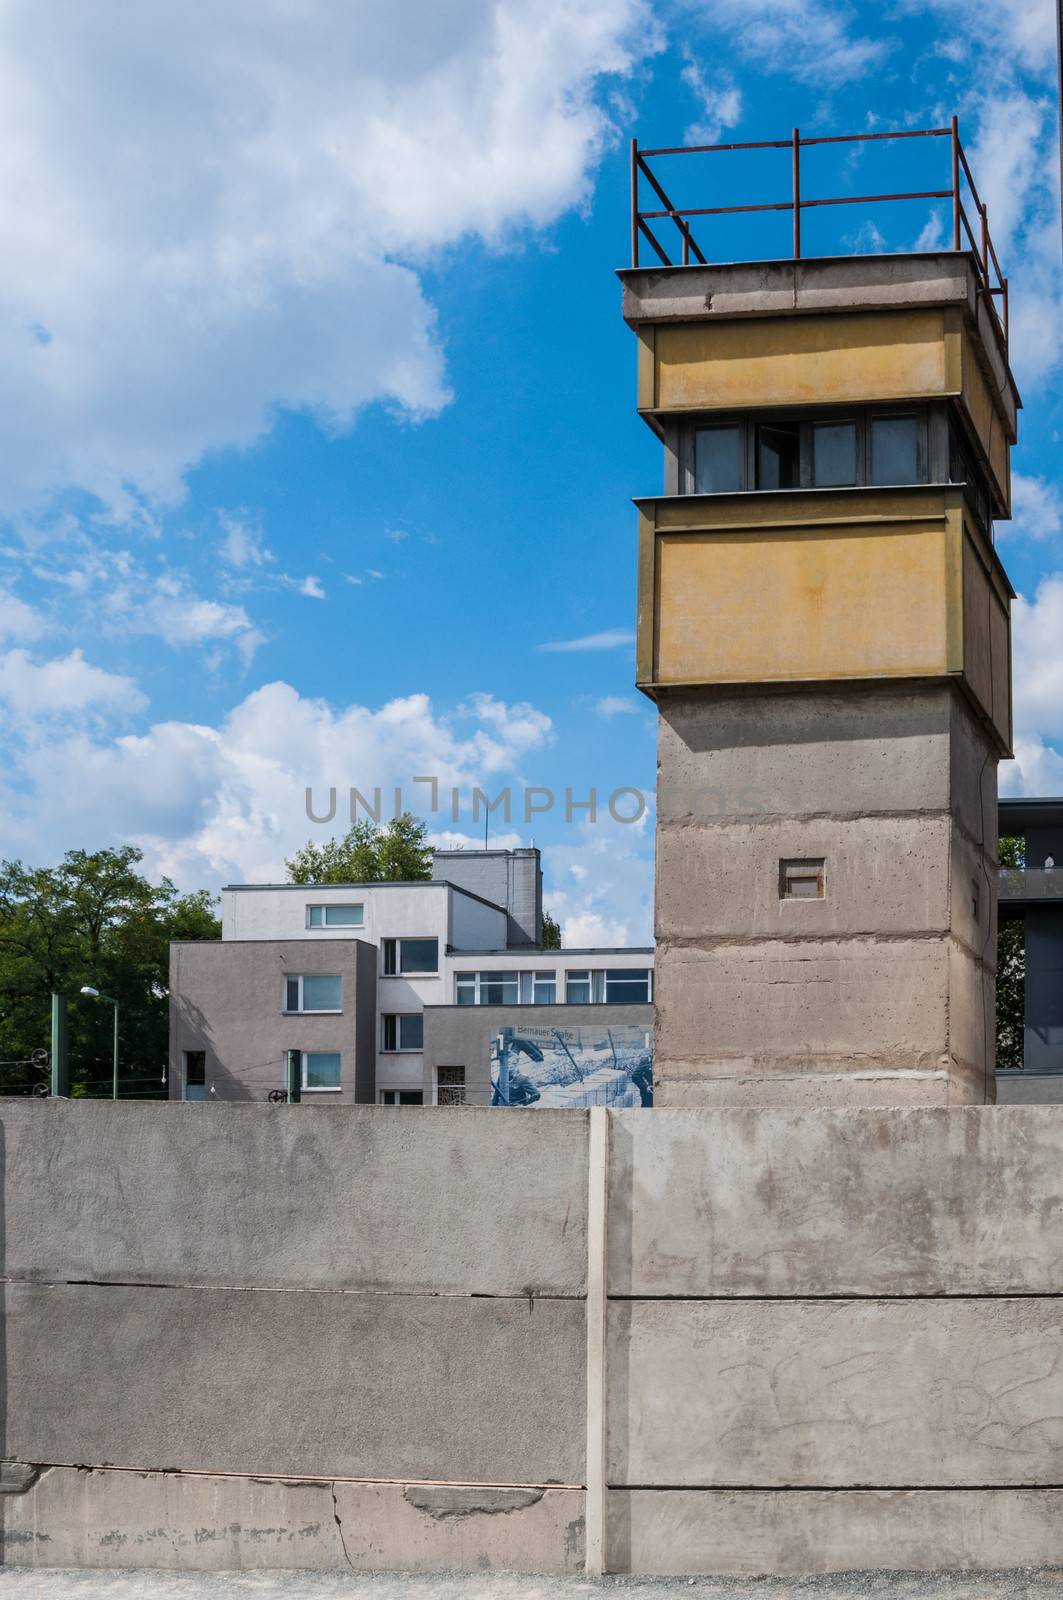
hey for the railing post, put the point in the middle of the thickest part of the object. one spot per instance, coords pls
(797, 194)
(634, 203)
(955, 183)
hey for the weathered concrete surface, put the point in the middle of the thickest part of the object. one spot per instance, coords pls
(749, 1532)
(881, 993)
(308, 1384)
(277, 1197)
(899, 1202)
(76, 1517)
(836, 1393)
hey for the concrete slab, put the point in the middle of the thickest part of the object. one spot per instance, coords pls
(746, 1533)
(197, 1523)
(900, 1202)
(308, 1384)
(957, 1394)
(291, 1197)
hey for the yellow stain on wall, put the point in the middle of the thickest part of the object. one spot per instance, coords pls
(743, 608)
(817, 360)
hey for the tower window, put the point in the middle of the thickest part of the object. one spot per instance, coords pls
(834, 454)
(894, 450)
(779, 456)
(802, 880)
(717, 460)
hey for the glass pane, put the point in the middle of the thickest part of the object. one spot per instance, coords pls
(389, 957)
(321, 994)
(343, 916)
(498, 988)
(717, 461)
(465, 988)
(411, 1033)
(894, 450)
(834, 453)
(419, 955)
(578, 988)
(526, 981)
(321, 1069)
(314, 916)
(291, 994)
(545, 990)
(411, 1097)
(632, 985)
(195, 1067)
(778, 456)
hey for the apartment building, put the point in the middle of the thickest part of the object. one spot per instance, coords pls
(362, 981)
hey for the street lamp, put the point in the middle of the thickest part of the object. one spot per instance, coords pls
(94, 994)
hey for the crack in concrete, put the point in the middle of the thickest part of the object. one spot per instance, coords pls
(339, 1527)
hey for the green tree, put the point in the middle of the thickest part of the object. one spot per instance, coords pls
(93, 920)
(551, 932)
(398, 852)
(1011, 970)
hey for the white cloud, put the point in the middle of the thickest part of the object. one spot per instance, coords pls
(209, 804)
(1036, 509)
(614, 705)
(214, 211)
(1019, 32)
(171, 610)
(17, 619)
(1036, 770)
(310, 587)
(67, 685)
(608, 639)
(721, 104)
(812, 41)
(1038, 660)
(242, 545)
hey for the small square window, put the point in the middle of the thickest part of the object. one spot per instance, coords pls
(321, 1069)
(334, 916)
(195, 1069)
(894, 450)
(450, 1086)
(802, 880)
(402, 1097)
(413, 957)
(578, 988)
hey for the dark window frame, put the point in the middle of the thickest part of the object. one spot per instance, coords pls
(749, 425)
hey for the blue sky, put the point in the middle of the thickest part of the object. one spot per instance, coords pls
(318, 417)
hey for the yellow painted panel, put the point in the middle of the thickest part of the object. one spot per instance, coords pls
(770, 607)
(988, 420)
(1000, 644)
(817, 360)
(977, 658)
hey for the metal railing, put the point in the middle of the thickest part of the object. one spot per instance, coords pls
(1031, 883)
(992, 280)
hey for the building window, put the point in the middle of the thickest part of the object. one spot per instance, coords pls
(195, 1069)
(335, 916)
(822, 452)
(402, 1097)
(717, 460)
(779, 455)
(505, 988)
(627, 984)
(402, 1031)
(802, 880)
(312, 993)
(321, 1069)
(413, 958)
(578, 988)
(834, 454)
(450, 1086)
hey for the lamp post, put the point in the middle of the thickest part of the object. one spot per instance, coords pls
(94, 994)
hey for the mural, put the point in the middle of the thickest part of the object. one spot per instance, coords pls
(601, 1065)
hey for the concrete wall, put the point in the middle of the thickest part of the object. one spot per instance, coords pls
(832, 1338)
(882, 991)
(461, 1036)
(227, 998)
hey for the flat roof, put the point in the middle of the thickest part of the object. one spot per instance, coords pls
(522, 950)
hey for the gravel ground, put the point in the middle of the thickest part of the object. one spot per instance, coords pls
(58, 1584)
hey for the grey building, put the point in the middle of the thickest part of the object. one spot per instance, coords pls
(237, 1006)
(511, 879)
(1033, 894)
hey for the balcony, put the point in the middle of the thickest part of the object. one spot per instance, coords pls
(1030, 886)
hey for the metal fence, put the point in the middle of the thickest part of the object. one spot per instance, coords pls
(961, 192)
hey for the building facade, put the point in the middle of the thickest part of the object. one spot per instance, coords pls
(360, 979)
(1031, 896)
